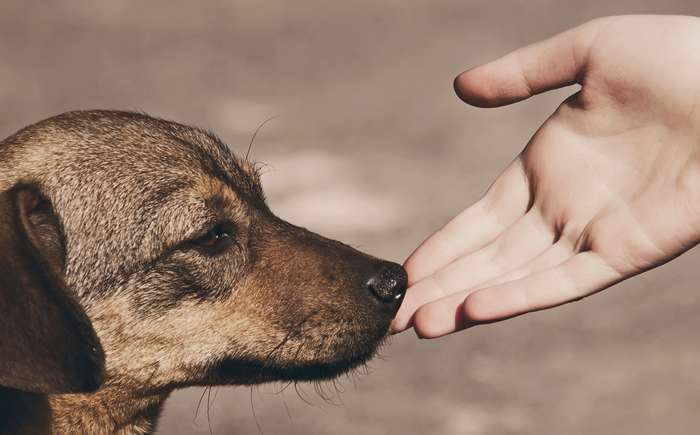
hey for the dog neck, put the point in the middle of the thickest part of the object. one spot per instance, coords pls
(108, 411)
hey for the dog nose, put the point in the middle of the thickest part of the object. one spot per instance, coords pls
(388, 284)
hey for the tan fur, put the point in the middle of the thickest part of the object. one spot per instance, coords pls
(135, 196)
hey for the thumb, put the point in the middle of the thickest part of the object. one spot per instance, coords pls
(550, 64)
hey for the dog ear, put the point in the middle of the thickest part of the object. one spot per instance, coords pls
(47, 343)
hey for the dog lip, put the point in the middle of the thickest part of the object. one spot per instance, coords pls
(246, 372)
(253, 372)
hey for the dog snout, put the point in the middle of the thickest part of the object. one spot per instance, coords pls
(388, 284)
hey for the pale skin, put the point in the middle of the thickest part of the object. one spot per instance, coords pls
(607, 188)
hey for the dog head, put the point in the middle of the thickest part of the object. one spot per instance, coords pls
(186, 275)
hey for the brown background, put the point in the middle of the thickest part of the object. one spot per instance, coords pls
(370, 146)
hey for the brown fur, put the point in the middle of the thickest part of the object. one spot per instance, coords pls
(135, 201)
(47, 343)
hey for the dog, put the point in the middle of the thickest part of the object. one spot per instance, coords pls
(152, 262)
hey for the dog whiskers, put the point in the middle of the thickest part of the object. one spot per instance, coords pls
(303, 399)
(261, 168)
(286, 409)
(208, 405)
(199, 403)
(252, 139)
(206, 391)
(255, 416)
(294, 332)
(216, 394)
(284, 387)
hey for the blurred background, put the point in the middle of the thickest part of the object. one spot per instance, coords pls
(370, 146)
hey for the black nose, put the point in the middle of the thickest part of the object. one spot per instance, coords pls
(388, 284)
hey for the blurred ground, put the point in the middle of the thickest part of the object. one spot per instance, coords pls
(370, 146)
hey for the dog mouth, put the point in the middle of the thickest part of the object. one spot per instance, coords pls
(241, 372)
(309, 365)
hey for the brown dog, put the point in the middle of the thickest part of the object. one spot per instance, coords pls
(165, 242)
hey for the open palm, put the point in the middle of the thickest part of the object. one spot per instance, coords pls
(607, 188)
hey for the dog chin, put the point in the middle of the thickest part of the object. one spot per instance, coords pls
(237, 372)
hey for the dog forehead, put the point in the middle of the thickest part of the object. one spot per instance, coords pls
(135, 148)
(171, 148)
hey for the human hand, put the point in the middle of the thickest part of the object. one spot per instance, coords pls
(607, 188)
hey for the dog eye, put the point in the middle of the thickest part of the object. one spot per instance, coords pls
(217, 239)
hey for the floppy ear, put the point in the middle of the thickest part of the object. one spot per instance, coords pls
(47, 343)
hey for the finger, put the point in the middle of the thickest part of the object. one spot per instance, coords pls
(424, 291)
(522, 241)
(504, 202)
(553, 63)
(580, 276)
(444, 316)
(527, 238)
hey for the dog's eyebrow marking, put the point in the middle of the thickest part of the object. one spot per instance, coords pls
(221, 197)
(219, 162)
(208, 200)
